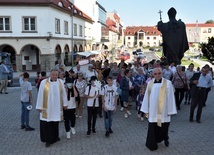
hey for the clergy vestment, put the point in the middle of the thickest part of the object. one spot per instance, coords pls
(159, 107)
(51, 100)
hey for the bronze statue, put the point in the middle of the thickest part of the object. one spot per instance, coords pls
(175, 42)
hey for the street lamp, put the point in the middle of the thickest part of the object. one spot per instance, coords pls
(72, 37)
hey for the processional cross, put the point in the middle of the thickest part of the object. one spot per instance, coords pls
(160, 14)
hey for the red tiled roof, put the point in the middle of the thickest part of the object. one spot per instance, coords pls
(117, 18)
(66, 5)
(199, 25)
(110, 22)
(112, 25)
(149, 30)
(113, 29)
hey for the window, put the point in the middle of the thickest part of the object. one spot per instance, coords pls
(5, 24)
(209, 30)
(66, 27)
(86, 32)
(148, 38)
(26, 58)
(75, 29)
(29, 23)
(128, 37)
(154, 38)
(57, 26)
(80, 31)
(89, 32)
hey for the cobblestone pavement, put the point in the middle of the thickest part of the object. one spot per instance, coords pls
(128, 138)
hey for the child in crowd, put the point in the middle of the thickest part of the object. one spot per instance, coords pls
(61, 76)
(26, 101)
(92, 95)
(139, 102)
(150, 76)
(43, 76)
(109, 100)
(69, 113)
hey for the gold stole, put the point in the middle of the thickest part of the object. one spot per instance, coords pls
(45, 99)
(161, 97)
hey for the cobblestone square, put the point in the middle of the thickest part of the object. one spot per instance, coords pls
(128, 138)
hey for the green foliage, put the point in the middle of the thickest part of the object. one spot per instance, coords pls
(159, 53)
(186, 62)
(208, 49)
(204, 58)
(210, 21)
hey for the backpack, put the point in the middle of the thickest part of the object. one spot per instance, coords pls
(89, 88)
(78, 96)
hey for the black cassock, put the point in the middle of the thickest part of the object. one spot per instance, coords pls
(156, 135)
(49, 131)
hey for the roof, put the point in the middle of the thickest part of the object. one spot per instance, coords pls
(63, 4)
(148, 30)
(199, 25)
(111, 25)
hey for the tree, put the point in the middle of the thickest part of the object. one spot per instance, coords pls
(209, 21)
(208, 49)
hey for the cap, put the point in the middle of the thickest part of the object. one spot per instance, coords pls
(29, 107)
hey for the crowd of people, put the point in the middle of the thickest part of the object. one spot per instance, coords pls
(155, 90)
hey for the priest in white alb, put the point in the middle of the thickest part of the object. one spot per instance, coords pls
(51, 100)
(158, 105)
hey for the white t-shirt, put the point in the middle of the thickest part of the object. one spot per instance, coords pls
(80, 71)
(109, 93)
(173, 69)
(167, 74)
(72, 103)
(189, 74)
(25, 87)
(90, 101)
(89, 74)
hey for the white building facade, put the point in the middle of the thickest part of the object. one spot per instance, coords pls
(199, 33)
(38, 34)
(100, 31)
(142, 36)
(116, 35)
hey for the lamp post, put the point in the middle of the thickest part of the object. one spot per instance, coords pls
(72, 37)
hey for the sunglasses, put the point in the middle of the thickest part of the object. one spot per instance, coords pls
(157, 73)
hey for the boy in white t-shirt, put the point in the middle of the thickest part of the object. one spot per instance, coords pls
(109, 100)
(92, 94)
(69, 113)
(26, 101)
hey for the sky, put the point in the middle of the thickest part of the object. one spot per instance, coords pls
(145, 12)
